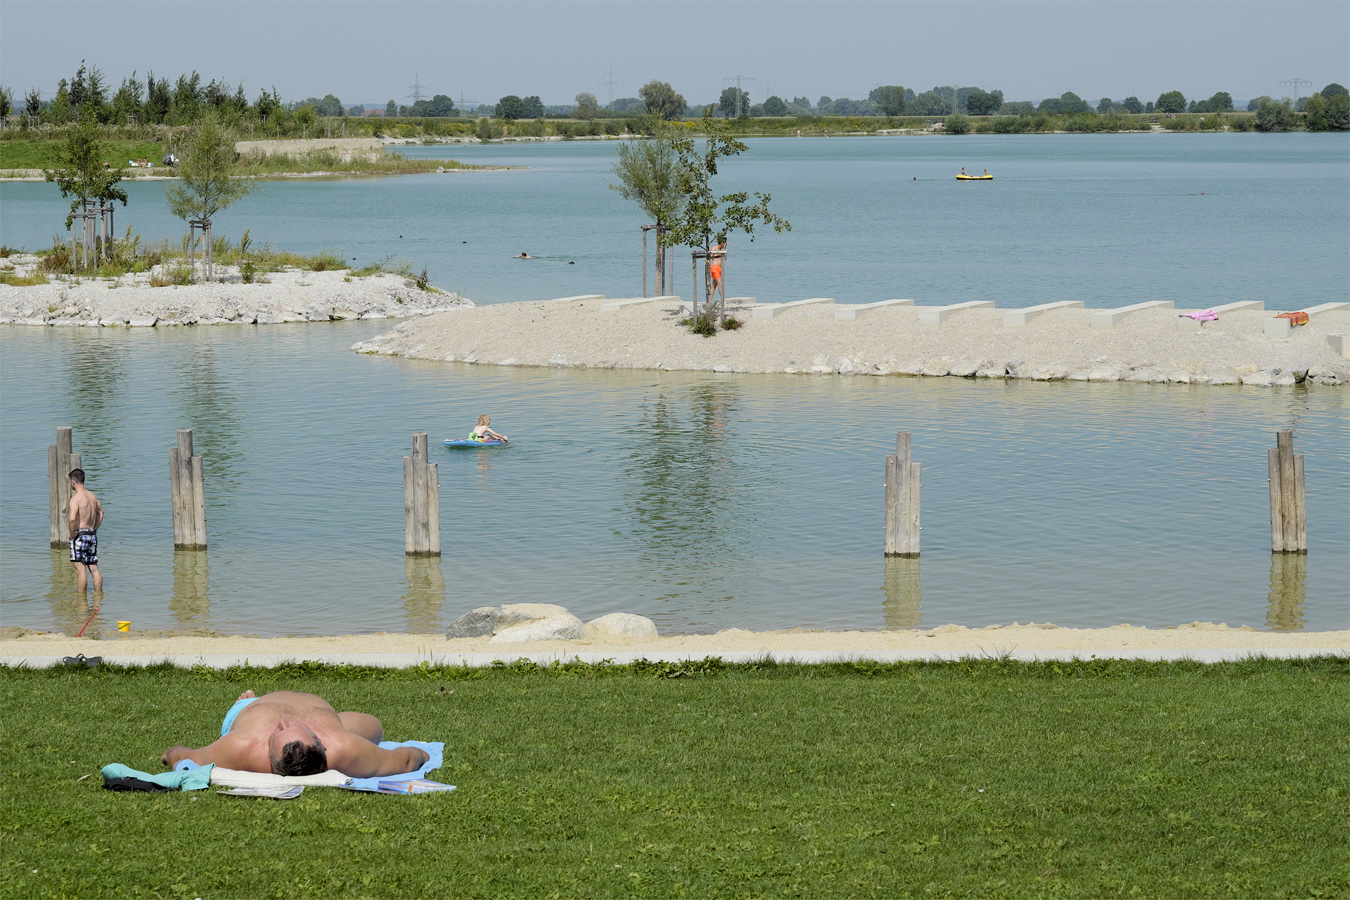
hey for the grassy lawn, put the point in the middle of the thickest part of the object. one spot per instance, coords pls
(42, 154)
(984, 778)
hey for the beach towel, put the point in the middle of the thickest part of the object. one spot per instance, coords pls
(380, 784)
(1295, 318)
(117, 777)
(1204, 315)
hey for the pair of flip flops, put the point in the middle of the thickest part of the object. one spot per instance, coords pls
(82, 660)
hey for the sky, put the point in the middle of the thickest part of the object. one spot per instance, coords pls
(371, 52)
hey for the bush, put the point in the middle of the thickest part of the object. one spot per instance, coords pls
(956, 124)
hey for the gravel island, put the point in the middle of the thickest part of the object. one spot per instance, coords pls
(1149, 345)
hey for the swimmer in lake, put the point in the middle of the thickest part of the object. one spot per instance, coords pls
(523, 255)
(481, 432)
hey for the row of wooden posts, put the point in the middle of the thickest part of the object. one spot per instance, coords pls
(422, 496)
(95, 231)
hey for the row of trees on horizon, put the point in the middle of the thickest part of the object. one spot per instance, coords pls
(157, 101)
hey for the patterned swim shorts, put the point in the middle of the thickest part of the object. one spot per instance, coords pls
(84, 547)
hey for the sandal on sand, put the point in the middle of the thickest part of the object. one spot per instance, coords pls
(82, 660)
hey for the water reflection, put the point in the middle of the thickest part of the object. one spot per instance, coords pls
(94, 386)
(70, 608)
(210, 402)
(425, 594)
(903, 592)
(1288, 591)
(190, 602)
(685, 478)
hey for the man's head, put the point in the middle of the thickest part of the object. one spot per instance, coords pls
(294, 749)
(77, 476)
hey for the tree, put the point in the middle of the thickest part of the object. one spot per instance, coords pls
(734, 102)
(510, 108)
(357, 110)
(32, 103)
(956, 124)
(1333, 90)
(532, 107)
(706, 216)
(1071, 104)
(6, 100)
(205, 164)
(1274, 115)
(1171, 102)
(1104, 105)
(649, 175)
(329, 106)
(929, 103)
(890, 100)
(391, 108)
(1132, 105)
(1338, 113)
(661, 100)
(306, 117)
(775, 106)
(587, 106)
(80, 171)
(983, 103)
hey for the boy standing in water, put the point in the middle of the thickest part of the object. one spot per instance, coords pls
(86, 515)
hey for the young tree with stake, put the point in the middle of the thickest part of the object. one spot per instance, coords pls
(205, 166)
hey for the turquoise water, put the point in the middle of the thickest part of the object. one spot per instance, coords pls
(1109, 219)
(702, 501)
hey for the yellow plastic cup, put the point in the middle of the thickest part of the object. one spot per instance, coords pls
(123, 626)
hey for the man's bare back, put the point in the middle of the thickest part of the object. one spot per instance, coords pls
(263, 729)
(86, 515)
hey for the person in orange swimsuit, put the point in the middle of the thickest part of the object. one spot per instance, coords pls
(715, 257)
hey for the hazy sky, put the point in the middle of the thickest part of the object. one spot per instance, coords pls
(370, 52)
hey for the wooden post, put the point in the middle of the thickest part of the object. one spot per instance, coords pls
(644, 261)
(60, 461)
(421, 502)
(1288, 502)
(902, 500)
(187, 491)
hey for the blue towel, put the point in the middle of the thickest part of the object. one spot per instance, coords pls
(193, 779)
(435, 750)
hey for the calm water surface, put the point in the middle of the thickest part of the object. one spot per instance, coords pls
(1109, 219)
(701, 501)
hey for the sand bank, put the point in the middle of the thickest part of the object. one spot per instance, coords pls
(1061, 344)
(1199, 640)
(291, 295)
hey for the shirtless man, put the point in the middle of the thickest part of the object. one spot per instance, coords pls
(86, 515)
(290, 733)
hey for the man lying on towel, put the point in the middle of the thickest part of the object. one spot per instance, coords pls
(290, 733)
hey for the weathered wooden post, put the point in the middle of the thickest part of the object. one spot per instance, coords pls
(60, 461)
(188, 492)
(421, 502)
(1288, 503)
(902, 500)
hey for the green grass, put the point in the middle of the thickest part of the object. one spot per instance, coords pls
(983, 778)
(38, 154)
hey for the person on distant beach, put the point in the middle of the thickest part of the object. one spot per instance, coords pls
(715, 257)
(481, 432)
(290, 733)
(86, 515)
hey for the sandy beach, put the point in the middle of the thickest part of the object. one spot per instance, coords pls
(1201, 641)
(1148, 345)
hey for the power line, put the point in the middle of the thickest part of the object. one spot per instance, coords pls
(416, 87)
(739, 93)
(611, 81)
(1294, 83)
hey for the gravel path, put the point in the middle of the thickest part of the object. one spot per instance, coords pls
(1060, 344)
(291, 295)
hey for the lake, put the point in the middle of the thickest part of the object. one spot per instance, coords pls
(709, 501)
(1201, 219)
(702, 501)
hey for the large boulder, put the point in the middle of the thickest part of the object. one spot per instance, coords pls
(623, 627)
(517, 613)
(478, 623)
(565, 627)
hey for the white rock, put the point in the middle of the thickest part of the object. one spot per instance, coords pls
(557, 359)
(1263, 378)
(625, 626)
(1285, 379)
(516, 613)
(143, 321)
(565, 627)
(1105, 373)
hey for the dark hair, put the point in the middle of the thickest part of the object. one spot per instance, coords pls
(301, 759)
(77, 475)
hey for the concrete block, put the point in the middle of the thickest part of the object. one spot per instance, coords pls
(1107, 318)
(1340, 343)
(616, 305)
(1279, 329)
(1186, 323)
(579, 297)
(1013, 318)
(934, 315)
(769, 310)
(741, 301)
(853, 310)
